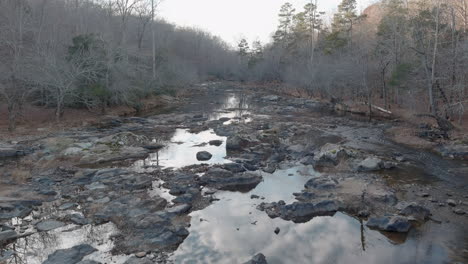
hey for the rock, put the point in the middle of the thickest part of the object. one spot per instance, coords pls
(70, 256)
(140, 254)
(136, 260)
(424, 194)
(204, 155)
(390, 223)
(459, 212)
(78, 219)
(370, 164)
(269, 169)
(257, 259)
(417, 211)
(234, 167)
(254, 196)
(67, 206)
(300, 212)
(451, 202)
(10, 152)
(7, 235)
(215, 142)
(236, 143)
(225, 180)
(72, 151)
(179, 209)
(320, 183)
(277, 230)
(48, 225)
(331, 155)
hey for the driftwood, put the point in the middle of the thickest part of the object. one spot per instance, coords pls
(381, 109)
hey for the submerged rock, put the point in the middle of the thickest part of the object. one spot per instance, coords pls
(204, 155)
(300, 212)
(70, 256)
(257, 259)
(398, 224)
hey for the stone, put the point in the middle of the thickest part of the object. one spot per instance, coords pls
(320, 183)
(48, 225)
(225, 180)
(257, 259)
(78, 219)
(277, 230)
(140, 254)
(419, 212)
(370, 164)
(179, 209)
(234, 167)
(390, 223)
(70, 256)
(331, 155)
(236, 143)
(67, 206)
(215, 142)
(459, 212)
(204, 156)
(72, 151)
(7, 235)
(451, 202)
(300, 212)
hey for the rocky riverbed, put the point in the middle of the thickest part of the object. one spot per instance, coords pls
(233, 175)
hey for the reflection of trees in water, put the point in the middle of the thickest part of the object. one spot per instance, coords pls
(37, 247)
(34, 246)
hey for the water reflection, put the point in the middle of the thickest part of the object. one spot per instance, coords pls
(235, 107)
(182, 150)
(35, 249)
(232, 230)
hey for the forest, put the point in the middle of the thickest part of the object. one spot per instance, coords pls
(407, 55)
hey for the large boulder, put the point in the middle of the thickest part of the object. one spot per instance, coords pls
(70, 256)
(225, 180)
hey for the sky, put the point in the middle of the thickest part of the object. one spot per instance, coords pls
(233, 20)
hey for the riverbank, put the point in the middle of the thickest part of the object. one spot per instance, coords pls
(230, 173)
